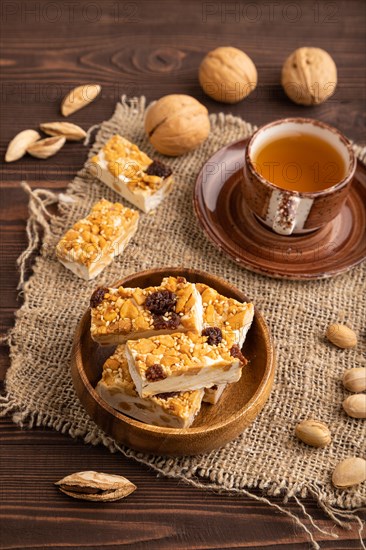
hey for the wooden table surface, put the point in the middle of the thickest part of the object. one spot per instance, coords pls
(150, 48)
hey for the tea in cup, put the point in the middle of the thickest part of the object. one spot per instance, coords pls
(297, 174)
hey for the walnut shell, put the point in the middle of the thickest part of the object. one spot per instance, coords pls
(309, 76)
(227, 75)
(176, 124)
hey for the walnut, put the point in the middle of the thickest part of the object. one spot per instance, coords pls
(227, 75)
(309, 76)
(176, 124)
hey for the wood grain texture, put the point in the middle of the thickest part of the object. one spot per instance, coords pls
(150, 48)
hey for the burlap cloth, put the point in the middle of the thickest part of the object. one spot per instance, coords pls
(39, 390)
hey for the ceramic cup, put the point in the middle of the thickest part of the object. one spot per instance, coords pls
(290, 212)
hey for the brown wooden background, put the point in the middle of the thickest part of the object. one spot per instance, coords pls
(150, 48)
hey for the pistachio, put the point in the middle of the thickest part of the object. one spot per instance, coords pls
(355, 405)
(349, 472)
(96, 486)
(355, 379)
(71, 132)
(47, 147)
(314, 433)
(19, 144)
(341, 336)
(79, 97)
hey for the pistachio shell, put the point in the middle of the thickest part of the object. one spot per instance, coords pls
(341, 336)
(96, 486)
(355, 379)
(19, 144)
(71, 132)
(79, 97)
(309, 76)
(227, 74)
(349, 472)
(47, 147)
(176, 124)
(314, 433)
(355, 405)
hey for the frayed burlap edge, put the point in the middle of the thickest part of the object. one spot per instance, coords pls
(38, 226)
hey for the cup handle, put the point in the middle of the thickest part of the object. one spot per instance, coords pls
(284, 220)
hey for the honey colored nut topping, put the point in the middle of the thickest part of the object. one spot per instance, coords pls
(116, 376)
(226, 313)
(144, 309)
(189, 350)
(126, 159)
(93, 236)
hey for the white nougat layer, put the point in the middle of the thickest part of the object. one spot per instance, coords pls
(211, 375)
(148, 410)
(145, 200)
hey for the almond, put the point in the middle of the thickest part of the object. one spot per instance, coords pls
(71, 132)
(314, 433)
(19, 144)
(79, 97)
(349, 472)
(355, 405)
(45, 148)
(341, 336)
(96, 486)
(355, 379)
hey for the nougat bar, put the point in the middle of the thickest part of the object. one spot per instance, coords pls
(172, 410)
(228, 314)
(182, 362)
(213, 395)
(94, 241)
(120, 314)
(127, 170)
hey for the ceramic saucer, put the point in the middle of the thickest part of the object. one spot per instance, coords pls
(231, 226)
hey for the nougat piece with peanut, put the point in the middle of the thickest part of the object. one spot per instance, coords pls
(121, 314)
(226, 315)
(182, 362)
(172, 410)
(93, 242)
(213, 395)
(130, 172)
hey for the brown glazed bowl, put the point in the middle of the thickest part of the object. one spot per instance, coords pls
(293, 212)
(215, 425)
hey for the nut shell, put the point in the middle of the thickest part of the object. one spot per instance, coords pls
(355, 379)
(228, 75)
(309, 76)
(341, 336)
(355, 405)
(47, 147)
(19, 144)
(349, 472)
(71, 132)
(79, 97)
(314, 433)
(96, 486)
(176, 124)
